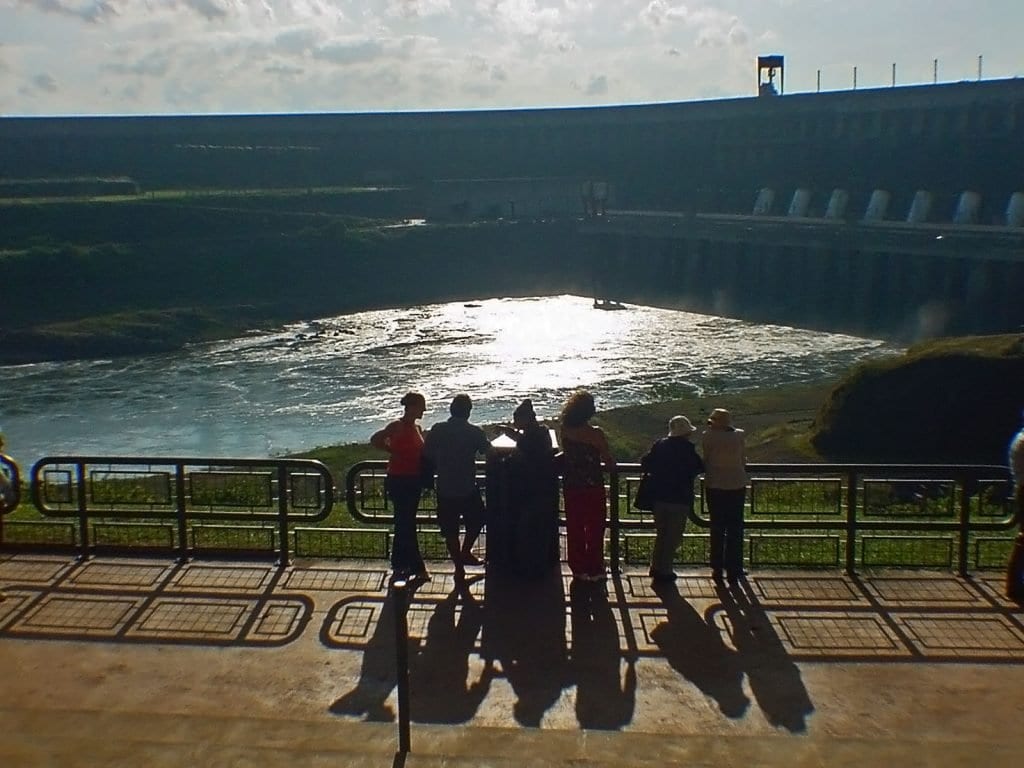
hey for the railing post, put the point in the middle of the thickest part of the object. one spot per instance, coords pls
(965, 525)
(613, 514)
(83, 509)
(179, 493)
(851, 521)
(400, 592)
(282, 513)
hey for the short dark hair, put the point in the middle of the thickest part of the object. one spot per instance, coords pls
(461, 406)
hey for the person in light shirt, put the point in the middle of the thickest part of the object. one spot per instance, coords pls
(725, 485)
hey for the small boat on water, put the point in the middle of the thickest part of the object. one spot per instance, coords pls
(608, 304)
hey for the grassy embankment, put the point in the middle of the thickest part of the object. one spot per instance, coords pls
(949, 400)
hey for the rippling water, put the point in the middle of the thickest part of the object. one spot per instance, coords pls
(335, 380)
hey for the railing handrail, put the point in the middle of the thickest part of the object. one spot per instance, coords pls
(178, 504)
(849, 473)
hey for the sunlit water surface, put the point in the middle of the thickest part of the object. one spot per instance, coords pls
(334, 380)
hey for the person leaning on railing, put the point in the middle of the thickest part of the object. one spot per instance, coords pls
(725, 484)
(403, 441)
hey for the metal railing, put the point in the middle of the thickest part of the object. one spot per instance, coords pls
(813, 515)
(177, 496)
(865, 514)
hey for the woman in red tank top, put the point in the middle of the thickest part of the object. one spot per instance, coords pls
(403, 441)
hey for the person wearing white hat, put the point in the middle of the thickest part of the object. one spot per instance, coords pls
(672, 464)
(725, 484)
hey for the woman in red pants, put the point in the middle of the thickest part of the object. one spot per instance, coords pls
(585, 457)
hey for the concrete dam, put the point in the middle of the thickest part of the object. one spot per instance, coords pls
(891, 210)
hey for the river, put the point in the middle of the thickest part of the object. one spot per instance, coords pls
(335, 380)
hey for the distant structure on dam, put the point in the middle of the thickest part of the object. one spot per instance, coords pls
(884, 210)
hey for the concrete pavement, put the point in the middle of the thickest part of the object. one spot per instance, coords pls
(114, 661)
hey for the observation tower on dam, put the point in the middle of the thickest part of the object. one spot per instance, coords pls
(895, 210)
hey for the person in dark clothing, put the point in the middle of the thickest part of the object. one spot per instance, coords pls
(533, 494)
(672, 464)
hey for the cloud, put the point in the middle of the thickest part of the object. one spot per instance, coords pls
(598, 86)
(283, 70)
(297, 40)
(212, 9)
(411, 9)
(659, 12)
(349, 52)
(153, 64)
(44, 82)
(91, 11)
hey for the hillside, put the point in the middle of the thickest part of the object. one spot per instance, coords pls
(949, 400)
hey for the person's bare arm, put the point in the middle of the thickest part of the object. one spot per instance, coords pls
(601, 441)
(381, 439)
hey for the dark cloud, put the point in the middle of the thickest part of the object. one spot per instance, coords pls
(209, 9)
(283, 70)
(296, 41)
(42, 82)
(598, 86)
(92, 12)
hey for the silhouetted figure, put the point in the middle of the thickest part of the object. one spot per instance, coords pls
(531, 655)
(439, 672)
(605, 682)
(403, 441)
(672, 464)
(532, 495)
(774, 677)
(377, 675)
(453, 447)
(696, 650)
(585, 456)
(725, 486)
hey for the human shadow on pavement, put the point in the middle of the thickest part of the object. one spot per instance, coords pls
(775, 679)
(524, 640)
(439, 672)
(605, 692)
(696, 650)
(377, 675)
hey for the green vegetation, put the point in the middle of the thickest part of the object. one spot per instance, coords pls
(150, 273)
(949, 400)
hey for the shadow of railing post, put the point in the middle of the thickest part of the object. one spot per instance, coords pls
(400, 590)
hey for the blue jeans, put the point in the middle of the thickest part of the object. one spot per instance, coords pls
(404, 492)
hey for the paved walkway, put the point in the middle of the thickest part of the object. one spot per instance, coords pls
(148, 662)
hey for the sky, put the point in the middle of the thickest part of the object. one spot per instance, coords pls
(68, 57)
